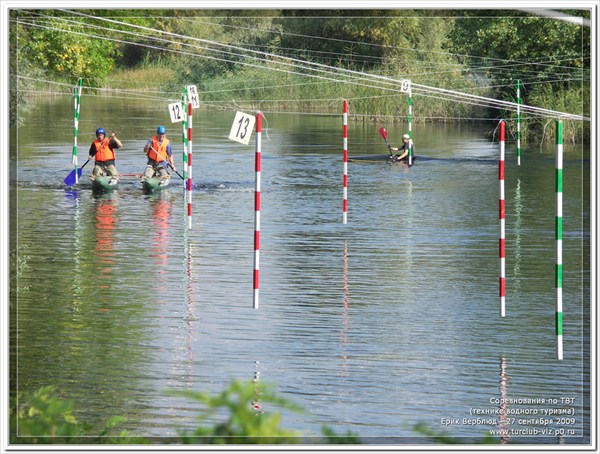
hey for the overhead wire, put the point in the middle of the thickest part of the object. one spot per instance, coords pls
(507, 62)
(362, 76)
(334, 74)
(436, 72)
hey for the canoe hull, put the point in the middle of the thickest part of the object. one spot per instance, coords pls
(155, 184)
(104, 183)
(378, 158)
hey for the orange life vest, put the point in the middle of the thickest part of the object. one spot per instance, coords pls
(103, 151)
(160, 148)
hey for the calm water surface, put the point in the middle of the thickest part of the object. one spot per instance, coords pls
(372, 327)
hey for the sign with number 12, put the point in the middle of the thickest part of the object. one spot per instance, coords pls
(241, 129)
(176, 111)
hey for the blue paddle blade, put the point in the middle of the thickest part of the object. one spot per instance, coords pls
(70, 180)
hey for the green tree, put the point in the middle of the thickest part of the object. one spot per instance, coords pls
(549, 56)
(506, 46)
(62, 48)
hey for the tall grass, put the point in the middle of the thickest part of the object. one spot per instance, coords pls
(258, 88)
(150, 76)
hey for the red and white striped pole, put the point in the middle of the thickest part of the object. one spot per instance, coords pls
(345, 190)
(257, 210)
(502, 216)
(184, 125)
(189, 166)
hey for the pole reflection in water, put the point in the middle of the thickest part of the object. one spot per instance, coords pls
(345, 313)
(190, 317)
(344, 389)
(502, 414)
(517, 229)
(257, 402)
(72, 195)
(106, 223)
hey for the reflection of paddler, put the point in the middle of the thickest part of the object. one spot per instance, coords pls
(161, 212)
(106, 221)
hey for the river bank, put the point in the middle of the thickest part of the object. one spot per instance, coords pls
(256, 89)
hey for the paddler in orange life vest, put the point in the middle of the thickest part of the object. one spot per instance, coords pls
(158, 149)
(103, 149)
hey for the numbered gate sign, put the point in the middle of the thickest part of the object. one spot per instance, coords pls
(176, 112)
(242, 127)
(405, 85)
(193, 96)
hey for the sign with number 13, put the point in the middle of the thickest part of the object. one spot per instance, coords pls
(241, 129)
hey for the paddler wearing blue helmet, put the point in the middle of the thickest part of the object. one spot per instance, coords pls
(158, 150)
(103, 149)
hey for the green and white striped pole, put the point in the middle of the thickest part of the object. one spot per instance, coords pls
(76, 108)
(518, 122)
(410, 118)
(559, 227)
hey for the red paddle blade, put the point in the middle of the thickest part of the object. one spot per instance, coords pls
(383, 133)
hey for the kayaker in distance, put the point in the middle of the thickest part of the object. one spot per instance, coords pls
(158, 149)
(405, 148)
(103, 149)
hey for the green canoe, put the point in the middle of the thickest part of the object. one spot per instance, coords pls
(153, 184)
(104, 183)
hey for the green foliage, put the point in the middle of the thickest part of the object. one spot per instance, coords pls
(562, 101)
(45, 418)
(62, 47)
(476, 51)
(245, 422)
(548, 56)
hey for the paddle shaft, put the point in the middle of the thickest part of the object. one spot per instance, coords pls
(168, 163)
(383, 134)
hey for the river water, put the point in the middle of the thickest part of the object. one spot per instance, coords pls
(372, 327)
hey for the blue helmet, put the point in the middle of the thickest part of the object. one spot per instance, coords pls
(161, 130)
(100, 131)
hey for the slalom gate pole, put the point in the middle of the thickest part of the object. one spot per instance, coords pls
(76, 108)
(518, 122)
(189, 169)
(257, 210)
(559, 228)
(410, 118)
(184, 140)
(345, 179)
(502, 216)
